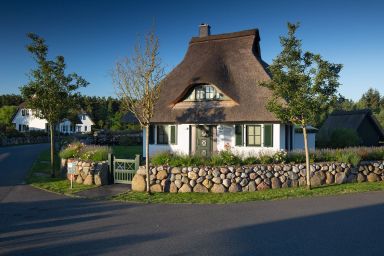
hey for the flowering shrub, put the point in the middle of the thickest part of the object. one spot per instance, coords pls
(85, 152)
(71, 151)
(280, 157)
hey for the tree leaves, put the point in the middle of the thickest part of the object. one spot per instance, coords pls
(303, 84)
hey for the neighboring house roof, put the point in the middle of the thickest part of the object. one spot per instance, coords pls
(21, 106)
(129, 118)
(348, 120)
(231, 62)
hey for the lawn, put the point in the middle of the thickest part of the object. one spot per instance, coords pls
(127, 151)
(272, 194)
(40, 177)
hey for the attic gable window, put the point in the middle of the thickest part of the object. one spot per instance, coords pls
(205, 92)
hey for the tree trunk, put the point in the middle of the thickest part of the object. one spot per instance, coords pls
(147, 155)
(52, 134)
(307, 158)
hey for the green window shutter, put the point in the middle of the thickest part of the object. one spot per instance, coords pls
(268, 135)
(239, 135)
(151, 134)
(173, 134)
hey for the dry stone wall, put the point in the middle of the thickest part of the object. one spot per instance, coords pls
(253, 178)
(88, 173)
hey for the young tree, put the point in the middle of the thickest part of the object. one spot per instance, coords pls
(50, 91)
(137, 80)
(303, 85)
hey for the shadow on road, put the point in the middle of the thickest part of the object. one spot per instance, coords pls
(79, 227)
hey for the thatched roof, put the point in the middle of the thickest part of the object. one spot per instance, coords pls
(348, 120)
(232, 63)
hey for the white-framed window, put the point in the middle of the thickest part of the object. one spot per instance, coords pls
(204, 92)
(25, 112)
(165, 134)
(254, 135)
(85, 128)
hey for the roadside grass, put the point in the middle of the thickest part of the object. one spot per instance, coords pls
(40, 177)
(127, 151)
(225, 198)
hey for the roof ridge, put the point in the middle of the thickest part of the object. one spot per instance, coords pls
(249, 32)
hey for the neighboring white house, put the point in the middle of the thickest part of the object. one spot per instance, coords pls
(26, 120)
(212, 101)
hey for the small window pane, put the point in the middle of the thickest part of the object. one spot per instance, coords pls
(251, 140)
(257, 130)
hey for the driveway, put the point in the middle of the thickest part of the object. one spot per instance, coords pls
(34, 222)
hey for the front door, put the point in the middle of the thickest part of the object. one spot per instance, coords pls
(204, 140)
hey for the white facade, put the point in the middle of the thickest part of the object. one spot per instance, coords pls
(182, 145)
(225, 138)
(26, 120)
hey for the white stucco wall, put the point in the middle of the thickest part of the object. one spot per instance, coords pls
(246, 151)
(85, 123)
(181, 146)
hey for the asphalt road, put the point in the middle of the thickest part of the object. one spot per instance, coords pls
(34, 222)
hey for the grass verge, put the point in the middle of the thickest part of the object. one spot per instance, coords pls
(39, 177)
(225, 198)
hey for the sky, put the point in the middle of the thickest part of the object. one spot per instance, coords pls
(93, 35)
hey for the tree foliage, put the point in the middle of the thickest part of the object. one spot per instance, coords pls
(50, 91)
(303, 85)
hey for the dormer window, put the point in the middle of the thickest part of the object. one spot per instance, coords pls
(204, 92)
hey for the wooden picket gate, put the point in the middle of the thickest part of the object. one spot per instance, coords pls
(123, 170)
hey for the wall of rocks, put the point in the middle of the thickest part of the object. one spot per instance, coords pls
(5, 141)
(88, 173)
(253, 178)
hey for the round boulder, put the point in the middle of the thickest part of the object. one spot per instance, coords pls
(138, 183)
(372, 177)
(200, 189)
(185, 189)
(156, 188)
(218, 188)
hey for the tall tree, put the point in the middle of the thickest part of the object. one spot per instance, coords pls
(303, 85)
(372, 100)
(50, 90)
(137, 80)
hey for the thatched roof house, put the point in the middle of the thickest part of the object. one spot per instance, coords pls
(212, 99)
(232, 63)
(363, 122)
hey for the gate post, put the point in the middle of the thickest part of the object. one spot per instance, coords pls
(137, 162)
(110, 165)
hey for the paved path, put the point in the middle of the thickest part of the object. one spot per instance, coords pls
(34, 222)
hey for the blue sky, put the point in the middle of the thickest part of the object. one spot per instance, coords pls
(92, 35)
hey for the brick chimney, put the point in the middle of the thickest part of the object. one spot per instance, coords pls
(204, 30)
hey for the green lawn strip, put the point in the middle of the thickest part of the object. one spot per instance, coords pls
(127, 151)
(272, 194)
(39, 177)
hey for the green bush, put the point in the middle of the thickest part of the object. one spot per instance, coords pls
(161, 158)
(348, 157)
(342, 138)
